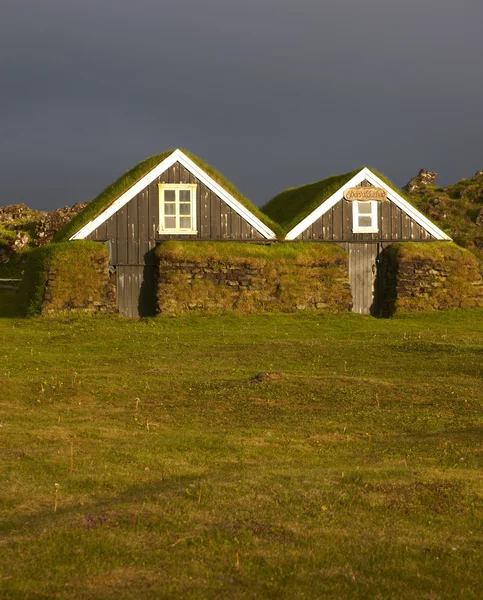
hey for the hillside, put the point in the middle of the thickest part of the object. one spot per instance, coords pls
(457, 208)
(22, 228)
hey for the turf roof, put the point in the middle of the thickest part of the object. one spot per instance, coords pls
(126, 181)
(291, 206)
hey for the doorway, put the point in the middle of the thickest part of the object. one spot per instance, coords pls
(365, 276)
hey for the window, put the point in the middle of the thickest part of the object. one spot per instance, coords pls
(177, 208)
(364, 217)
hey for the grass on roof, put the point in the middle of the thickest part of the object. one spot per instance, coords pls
(126, 181)
(291, 206)
(236, 253)
(434, 251)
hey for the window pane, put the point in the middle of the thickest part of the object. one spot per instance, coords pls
(169, 195)
(169, 208)
(185, 195)
(185, 209)
(365, 208)
(170, 222)
(365, 221)
(185, 222)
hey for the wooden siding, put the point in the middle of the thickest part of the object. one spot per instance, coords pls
(136, 294)
(366, 276)
(133, 229)
(393, 223)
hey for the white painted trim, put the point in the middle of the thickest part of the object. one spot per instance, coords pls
(124, 198)
(228, 198)
(367, 174)
(323, 208)
(192, 187)
(406, 207)
(176, 156)
(373, 228)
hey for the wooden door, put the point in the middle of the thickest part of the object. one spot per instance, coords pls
(136, 293)
(363, 267)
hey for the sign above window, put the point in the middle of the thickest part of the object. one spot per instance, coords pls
(365, 193)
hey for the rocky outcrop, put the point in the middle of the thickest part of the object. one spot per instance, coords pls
(17, 213)
(422, 180)
(21, 226)
(49, 223)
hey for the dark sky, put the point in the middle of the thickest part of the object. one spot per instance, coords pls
(273, 93)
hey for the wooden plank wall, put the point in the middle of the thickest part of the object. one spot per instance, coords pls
(136, 295)
(362, 276)
(394, 226)
(133, 230)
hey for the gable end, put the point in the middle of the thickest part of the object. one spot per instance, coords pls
(397, 218)
(177, 156)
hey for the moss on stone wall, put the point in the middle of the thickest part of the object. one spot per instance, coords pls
(217, 277)
(431, 276)
(68, 276)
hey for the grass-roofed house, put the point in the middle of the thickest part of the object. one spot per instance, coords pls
(170, 196)
(363, 213)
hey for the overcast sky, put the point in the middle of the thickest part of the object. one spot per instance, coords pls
(273, 93)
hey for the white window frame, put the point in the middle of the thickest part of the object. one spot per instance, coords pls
(373, 227)
(177, 187)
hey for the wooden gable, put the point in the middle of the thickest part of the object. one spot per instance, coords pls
(397, 220)
(133, 226)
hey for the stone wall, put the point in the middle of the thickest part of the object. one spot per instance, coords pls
(72, 276)
(252, 285)
(98, 296)
(433, 276)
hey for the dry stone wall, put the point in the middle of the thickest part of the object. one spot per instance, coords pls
(71, 276)
(436, 277)
(210, 287)
(74, 295)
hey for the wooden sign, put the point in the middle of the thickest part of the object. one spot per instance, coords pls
(365, 193)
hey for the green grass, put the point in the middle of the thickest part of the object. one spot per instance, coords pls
(226, 252)
(76, 278)
(353, 471)
(454, 209)
(126, 181)
(460, 286)
(438, 252)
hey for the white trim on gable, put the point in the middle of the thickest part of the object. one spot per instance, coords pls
(224, 195)
(176, 156)
(367, 174)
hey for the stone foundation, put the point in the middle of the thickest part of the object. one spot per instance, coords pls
(247, 286)
(100, 297)
(72, 276)
(433, 276)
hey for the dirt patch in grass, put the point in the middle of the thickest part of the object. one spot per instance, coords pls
(436, 497)
(267, 377)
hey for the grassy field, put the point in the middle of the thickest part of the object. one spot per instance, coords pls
(264, 456)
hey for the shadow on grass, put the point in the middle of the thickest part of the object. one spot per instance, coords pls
(11, 305)
(94, 512)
